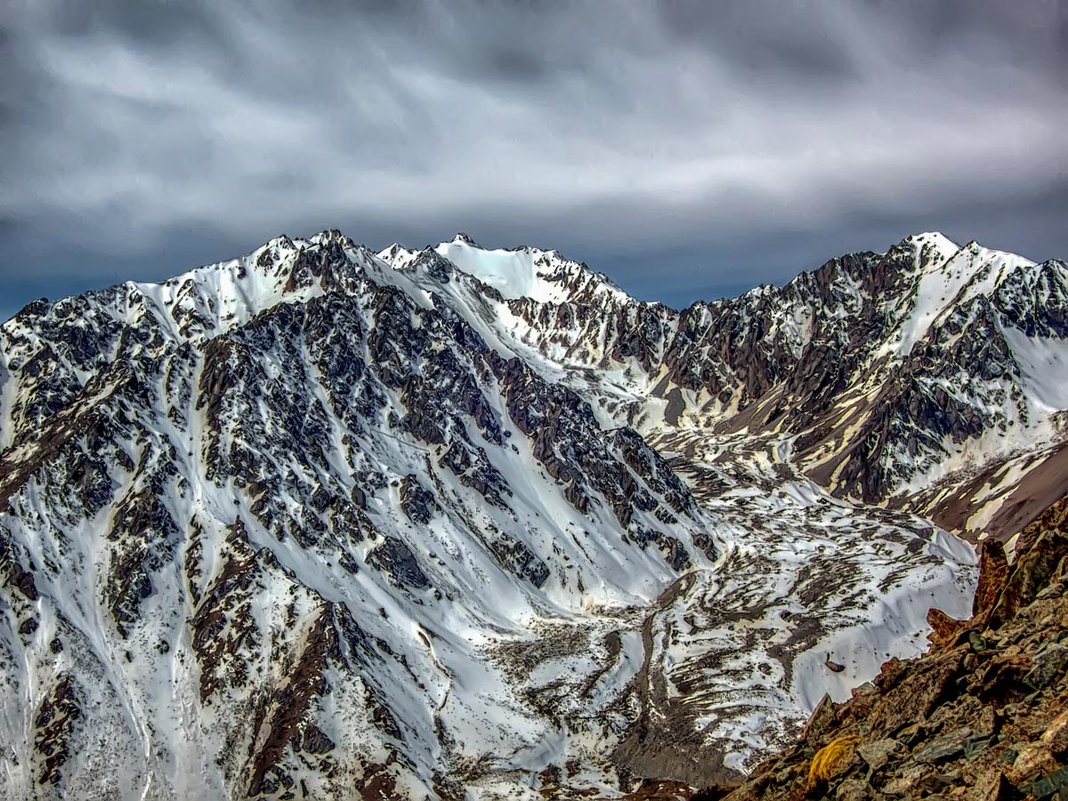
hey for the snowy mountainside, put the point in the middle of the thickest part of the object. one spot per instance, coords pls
(196, 471)
(319, 522)
(931, 377)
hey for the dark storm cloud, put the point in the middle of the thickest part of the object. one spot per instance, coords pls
(711, 145)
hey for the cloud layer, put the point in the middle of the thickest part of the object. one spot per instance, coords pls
(686, 148)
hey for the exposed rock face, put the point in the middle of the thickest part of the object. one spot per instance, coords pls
(980, 716)
(319, 522)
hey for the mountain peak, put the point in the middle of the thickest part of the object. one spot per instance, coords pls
(332, 236)
(932, 237)
(932, 248)
(466, 239)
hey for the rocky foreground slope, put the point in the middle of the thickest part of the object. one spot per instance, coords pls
(982, 716)
(468, 523)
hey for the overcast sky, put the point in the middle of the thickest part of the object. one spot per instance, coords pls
(689, 150)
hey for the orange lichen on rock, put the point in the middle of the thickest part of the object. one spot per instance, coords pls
(832, 760)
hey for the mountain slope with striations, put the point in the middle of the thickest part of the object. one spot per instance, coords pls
(931, 377)
(319, 522)
(982, 715)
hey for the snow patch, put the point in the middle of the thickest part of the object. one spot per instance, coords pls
(509, 272)
(1044, 364)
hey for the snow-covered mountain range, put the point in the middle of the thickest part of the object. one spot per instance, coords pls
(466, 523)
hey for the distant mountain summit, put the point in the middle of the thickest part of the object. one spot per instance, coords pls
(931, 377)
(322, 522)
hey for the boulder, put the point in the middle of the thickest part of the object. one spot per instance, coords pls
(1056, 735)
(943, 747)
(1033, 760)
(854, 790)
(917, 695)
(1050, 665)
(992, 786)
(878, 752)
